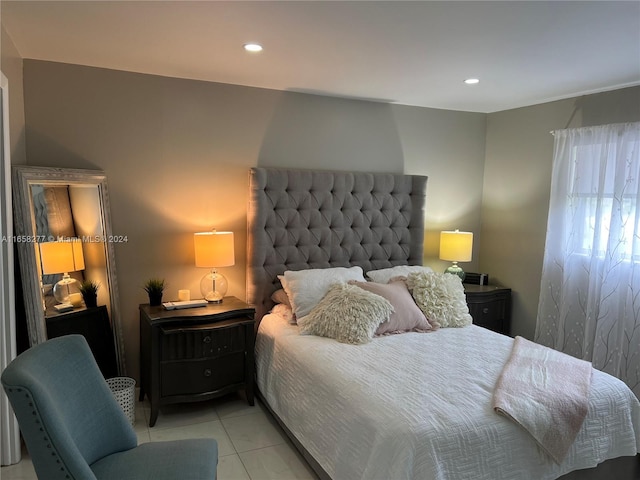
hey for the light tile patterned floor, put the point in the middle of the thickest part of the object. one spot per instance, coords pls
(251, 444)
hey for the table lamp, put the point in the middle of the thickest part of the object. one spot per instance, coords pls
(456, 246)
(62, 256)
(213, 250)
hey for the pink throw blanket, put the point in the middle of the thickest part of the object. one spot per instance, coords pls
(546, 392)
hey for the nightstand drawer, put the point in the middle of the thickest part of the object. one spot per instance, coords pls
(179, 343)
(201, 376)
(489, 314)
(490, 306)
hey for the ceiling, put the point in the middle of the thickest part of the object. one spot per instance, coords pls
(411, 53)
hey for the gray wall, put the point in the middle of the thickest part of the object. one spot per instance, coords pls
(443, 145)
(11, 66)
(515, 204)
(177, 153)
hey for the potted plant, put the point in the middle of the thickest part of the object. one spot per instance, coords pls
(154, 288)
(89, 291)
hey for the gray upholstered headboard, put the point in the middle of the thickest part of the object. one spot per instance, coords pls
(301, 219)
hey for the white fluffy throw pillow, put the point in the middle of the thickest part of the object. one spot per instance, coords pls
(348, 314)
(441, 298)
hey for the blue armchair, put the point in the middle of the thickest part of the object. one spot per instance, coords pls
(75, 429)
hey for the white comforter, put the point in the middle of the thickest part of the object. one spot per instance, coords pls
(418, 406)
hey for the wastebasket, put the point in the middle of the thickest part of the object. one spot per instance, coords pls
(124, 389)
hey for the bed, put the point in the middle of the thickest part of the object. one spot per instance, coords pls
(409, 406)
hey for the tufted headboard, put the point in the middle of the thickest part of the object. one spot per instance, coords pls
(301, 219)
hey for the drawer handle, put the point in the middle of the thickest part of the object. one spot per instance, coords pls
(206, 339)
(207, 372)
(485, 310)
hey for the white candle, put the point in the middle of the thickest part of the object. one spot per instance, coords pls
(184, 295)
(75, 299)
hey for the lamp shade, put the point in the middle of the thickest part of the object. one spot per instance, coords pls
(456, 246)
(214, 249)
(62, 256)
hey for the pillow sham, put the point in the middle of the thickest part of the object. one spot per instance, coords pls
(305, 288)
(441, 298)
(347, 313)
(406, 315)
(386, 274)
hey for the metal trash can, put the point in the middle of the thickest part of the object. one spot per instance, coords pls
(124, 389)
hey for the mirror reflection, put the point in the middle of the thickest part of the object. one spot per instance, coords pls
(63, 213)
(65, 253)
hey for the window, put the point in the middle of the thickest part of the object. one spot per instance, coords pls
(603, 198)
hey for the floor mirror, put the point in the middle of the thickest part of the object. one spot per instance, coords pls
(64, 240)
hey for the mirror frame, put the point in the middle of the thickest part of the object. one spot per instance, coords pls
(23, 178)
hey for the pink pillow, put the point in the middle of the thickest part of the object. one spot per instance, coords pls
(406, 316)
(280, 296)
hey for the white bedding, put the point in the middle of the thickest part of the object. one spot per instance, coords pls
(418, 406)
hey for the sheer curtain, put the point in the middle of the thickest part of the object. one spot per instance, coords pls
(590, 292)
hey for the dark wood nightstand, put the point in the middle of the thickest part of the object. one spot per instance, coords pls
(490, 306)
(94, 325)
(195, 354)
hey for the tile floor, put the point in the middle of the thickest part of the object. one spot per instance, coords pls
(251, 445)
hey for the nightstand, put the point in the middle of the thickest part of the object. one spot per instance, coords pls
(490, 306)
(195, 354)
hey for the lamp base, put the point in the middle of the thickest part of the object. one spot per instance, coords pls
(64, 288)
(213, 287)
(455, 269)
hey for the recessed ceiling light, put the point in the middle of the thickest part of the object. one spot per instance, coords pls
(471, 81)
(252, 47)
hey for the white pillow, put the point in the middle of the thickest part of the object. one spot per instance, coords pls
(386, 274)
(441, 298)
(348, 314)
(305, 288)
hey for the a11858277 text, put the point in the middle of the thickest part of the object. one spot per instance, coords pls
(51, 238)
(26, 238)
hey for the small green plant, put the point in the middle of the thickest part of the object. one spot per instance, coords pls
(89, 287)
(154, 286)
(89, 292)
